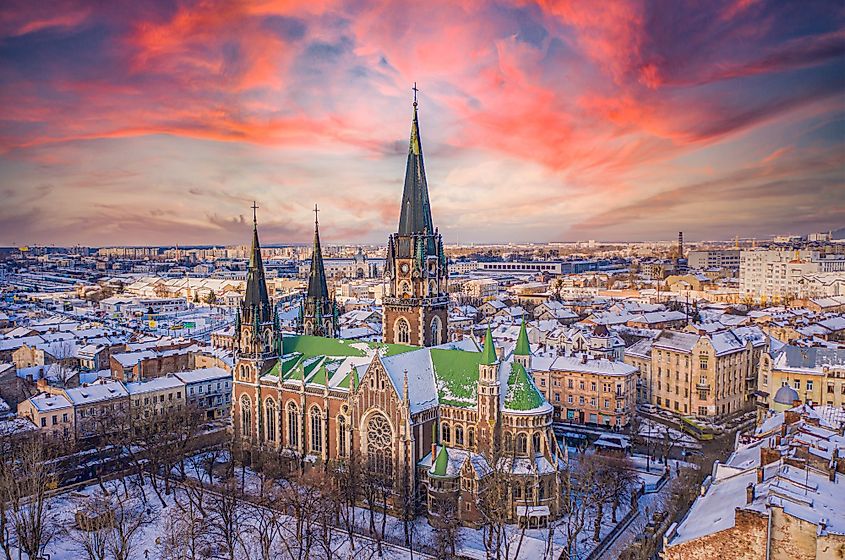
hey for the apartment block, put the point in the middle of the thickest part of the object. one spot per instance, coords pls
(701, 375)
(816, 374)
(586, 389)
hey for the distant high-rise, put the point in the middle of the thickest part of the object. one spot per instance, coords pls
(415, 301)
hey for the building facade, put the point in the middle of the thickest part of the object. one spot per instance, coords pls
(702, 375)
(816, 374)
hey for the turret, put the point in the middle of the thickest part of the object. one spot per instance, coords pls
(488, 381)
(522, 351)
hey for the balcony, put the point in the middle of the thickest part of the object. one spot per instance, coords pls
(702, 386)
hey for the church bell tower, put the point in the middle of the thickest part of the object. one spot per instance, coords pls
(415, 297)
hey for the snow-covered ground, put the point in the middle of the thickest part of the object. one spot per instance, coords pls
(657, 431)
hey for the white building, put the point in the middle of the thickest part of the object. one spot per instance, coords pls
(768, 275)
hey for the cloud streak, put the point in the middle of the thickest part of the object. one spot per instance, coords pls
(544, 119)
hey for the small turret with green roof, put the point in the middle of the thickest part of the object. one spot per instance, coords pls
(522, 352)
(522, 394)
(441, 463)
(488, 353)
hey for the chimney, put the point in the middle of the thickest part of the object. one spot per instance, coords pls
(831, 470)
(584, 358)
(759, 475)
(749, 493)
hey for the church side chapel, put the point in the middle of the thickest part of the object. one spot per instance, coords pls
(446, 419)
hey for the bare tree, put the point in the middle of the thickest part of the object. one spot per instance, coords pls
(621, 478)
(185, 535)
(24, 481)
(131, 515)
(226, 517)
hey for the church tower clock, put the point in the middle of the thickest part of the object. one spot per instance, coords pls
(415, 297)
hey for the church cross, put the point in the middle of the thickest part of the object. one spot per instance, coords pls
(315, 213)
(254, 214)
(415, 93)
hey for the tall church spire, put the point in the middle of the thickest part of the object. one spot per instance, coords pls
(318, 314)
(256, 297)
(415, 216)
(317, 278)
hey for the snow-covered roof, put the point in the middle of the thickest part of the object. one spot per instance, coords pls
(675, 341)
(45, 402)
(96, 392)
(577, 363)
(156, 384)
(203, 374)
(422, 392)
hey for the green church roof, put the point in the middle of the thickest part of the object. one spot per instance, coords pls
(522, 394)
(523, 348)
(488, 354)
(313, 346)
(456, 373)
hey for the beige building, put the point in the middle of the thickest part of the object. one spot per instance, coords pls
(706, 376)
(816, 374)
(587, 390)
(51, 413)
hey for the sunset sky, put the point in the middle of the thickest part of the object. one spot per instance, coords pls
(158, 123)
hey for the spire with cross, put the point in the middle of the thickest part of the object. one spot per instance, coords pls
(254, 213)
(315, 214)
(416, 89)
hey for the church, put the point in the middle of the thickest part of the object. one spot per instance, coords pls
(445, 419)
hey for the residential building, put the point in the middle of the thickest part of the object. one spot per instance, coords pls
(775, 276)
(714, 258)
(816, 374)
(156, 397)
(95, 407)
(208, 389)
(585, 389)
(702, 375)
(52, 413)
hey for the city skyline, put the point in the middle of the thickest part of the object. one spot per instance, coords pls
(151, 125)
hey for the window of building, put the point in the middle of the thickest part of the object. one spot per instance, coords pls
(569, 399)
(471, 437)
(43, 422)
(246, 416)
(445, 433)
(270, 416)
(316, 430)
(459, 435)
(293, 425)
(797, 384)
(342, 437)
(809, 385)
(403, 331)
(522, 444)
(536, 442)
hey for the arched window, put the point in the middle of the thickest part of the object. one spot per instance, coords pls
(459, 435)
(522, 444)
(342, 437)
(380, 446)
(445, 433)
(508, 442)
(246, 416)
(293, 424)
(432, 288)
(316, 430)
(404, 289)
(536, 442)
(542, 490)
(471, 437)
(436, 331)
(270, 417)
(403, 331)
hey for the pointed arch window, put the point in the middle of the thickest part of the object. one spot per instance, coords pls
(379, 446)
(316, 430)
(436, 331)
(403, 331)
(270, 417)
(536, 442)
(459, 435)
(342, 437)
(246, 416)
(293, 424)
(445, 433)
(471, 437)
(508, 442)
(522, 444)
